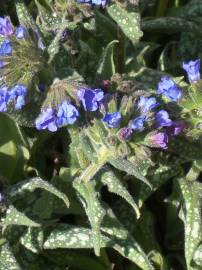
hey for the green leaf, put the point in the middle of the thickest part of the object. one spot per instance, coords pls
(157, 176)
(33, 239)
(15, 217)
(67, 236)
(170, 25)
(70, 258)
(128, 21)
(93, 208)
(114, 185)
(198, 256)
(24, 15)
(122, 241)
(126, 166)
(13, 149)
(7, 259)
(32, 184)
(192, 194)
(106, 67)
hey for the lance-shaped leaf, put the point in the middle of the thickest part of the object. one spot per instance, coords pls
(15, 217)
(126, 166)
(31, 185)
(93, 208)
(69, 236)
(192, 195)
(198, 256)
(158, 176)
(7, 259)
(171, 25)
(128, 21)
(123, 242)
(114, 185)
(106, 67)
(24, 16)
(33, 239)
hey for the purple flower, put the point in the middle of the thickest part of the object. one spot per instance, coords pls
(158, 140)
(112, 119)
(125, 133)
(162, 119)
(47, 120)
(67, 114)
(5, 48)
(193, 70)
(17, 94)
(93, 2)
(52, 119)
(5, 27)
(168, 88)
(21, 32)
(4, 99)
(1, 64)
(1, 197)
(138, 123)
(145, 104)
(176, 128)
(90, 98)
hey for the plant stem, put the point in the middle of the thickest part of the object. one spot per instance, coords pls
(193, 173)
(121, 51)
(94, 167)
(162, 6)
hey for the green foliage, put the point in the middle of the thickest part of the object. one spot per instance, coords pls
(137, 207)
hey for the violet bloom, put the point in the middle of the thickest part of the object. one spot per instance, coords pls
(93, 2)
(5, 48)
(193, 70)
(4, 99)
(137, 123)
(125, 133)
(20, 32)
(52, 119)
(18, 94)
(168, 88)
(5, 27)
(176, 128)
(112, 119)
(90, 98)
(157, 140)
(67, 114)
(162, 119)
(146, 104)
(47, 120)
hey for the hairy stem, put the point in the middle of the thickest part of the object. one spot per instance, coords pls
(93, 168)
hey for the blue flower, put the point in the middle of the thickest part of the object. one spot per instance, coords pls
(5, 48)
(52, 119)
(5, 27)
(1, 64)
(138, 123)
(67, 114)
(93, 2)
(112, 119)
(4, 99)
(21, 32)
(47, 120)
(193, 70)
(90, 98)
(162, 119)
(159, 140)
(145, 104)
(125, 133)
(168, 88)
(17, 94)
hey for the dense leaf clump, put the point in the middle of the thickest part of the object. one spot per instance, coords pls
(100, 142)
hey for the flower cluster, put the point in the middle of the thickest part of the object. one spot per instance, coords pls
(17, 93)
(93, 2)
(53, 118)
